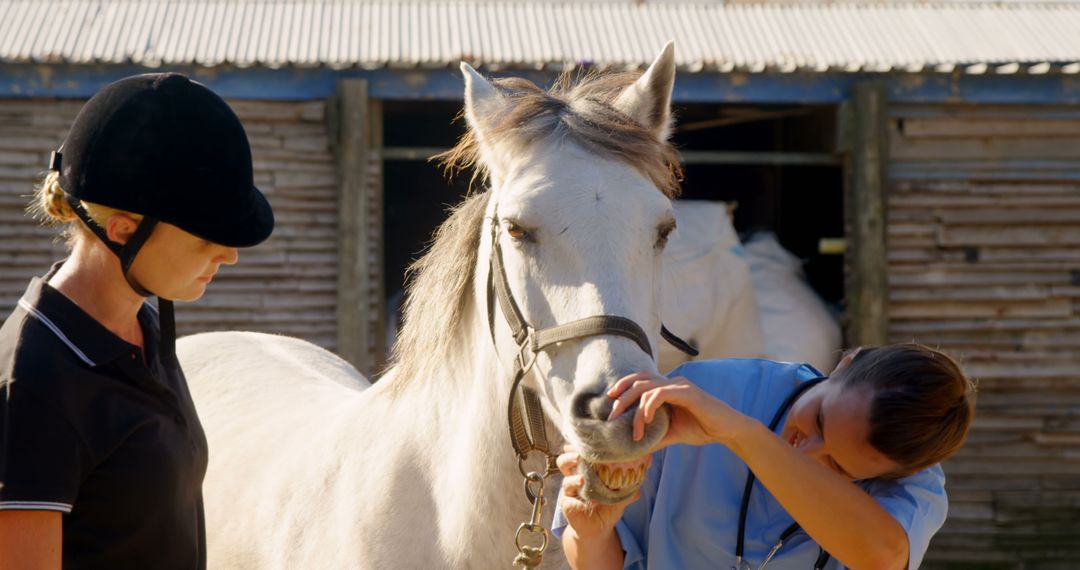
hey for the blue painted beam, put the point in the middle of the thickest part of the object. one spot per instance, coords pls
(81, 81)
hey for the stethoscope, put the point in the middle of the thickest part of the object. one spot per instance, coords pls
(744, 508)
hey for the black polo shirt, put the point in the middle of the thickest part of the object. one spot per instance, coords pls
(93, 428)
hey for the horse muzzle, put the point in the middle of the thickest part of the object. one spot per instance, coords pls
(613, 463)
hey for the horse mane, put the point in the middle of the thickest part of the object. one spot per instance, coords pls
(575, 109)
(439, 284)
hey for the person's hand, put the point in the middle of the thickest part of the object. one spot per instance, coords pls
(589, 519)
(697, 418)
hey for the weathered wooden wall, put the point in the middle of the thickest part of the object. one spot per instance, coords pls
(356, 134)
(984, 261)
(286, 285)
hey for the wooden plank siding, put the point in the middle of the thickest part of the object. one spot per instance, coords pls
(983, 228)
(286, 285)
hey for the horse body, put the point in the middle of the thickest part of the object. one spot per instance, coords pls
(311, 473)
(312, 468)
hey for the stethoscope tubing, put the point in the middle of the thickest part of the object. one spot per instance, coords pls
(744, 505)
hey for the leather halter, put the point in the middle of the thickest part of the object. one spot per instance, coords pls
(530, 342)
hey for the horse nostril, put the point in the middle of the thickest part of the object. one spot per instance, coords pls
(592, 405)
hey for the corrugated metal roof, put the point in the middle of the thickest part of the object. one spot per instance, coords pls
(975, 38)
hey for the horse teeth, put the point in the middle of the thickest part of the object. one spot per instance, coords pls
(620, 477)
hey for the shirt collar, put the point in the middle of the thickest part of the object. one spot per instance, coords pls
(85, 336)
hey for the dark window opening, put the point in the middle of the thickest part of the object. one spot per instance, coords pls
(779, 164)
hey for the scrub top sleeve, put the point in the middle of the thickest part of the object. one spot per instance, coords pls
(633, 557)
(558, 522)
(42, 457)
(919, 504)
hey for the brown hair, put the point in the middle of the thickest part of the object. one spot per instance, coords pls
(50, 206)
(579, 109)
(922, 406)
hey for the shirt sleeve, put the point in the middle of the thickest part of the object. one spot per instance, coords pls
(919, 504)
(41, 455)
(558, 522)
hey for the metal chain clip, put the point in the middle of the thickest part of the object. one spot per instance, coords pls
(530, 556)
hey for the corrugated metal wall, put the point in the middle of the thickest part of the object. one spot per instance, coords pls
(286, 285)
(983, 236)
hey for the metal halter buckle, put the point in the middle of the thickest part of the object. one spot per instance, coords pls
(550, 466)
(527, 352)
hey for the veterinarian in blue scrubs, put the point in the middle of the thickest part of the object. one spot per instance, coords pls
(102, 455)
(779, 468)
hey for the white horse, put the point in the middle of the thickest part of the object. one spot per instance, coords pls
(708, 294)
(798, 326)
(310, 468)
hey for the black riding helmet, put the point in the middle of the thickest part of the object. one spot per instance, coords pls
(168, 148)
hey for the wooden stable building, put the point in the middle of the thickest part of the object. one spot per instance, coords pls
(938, 141)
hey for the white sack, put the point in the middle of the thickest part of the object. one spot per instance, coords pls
(708, 294)
(797, 325)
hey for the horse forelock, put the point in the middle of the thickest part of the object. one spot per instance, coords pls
(439, 286)
(578, 108)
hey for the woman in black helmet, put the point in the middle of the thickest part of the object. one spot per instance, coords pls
(101, 452)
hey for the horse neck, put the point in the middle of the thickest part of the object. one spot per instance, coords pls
(465, 442)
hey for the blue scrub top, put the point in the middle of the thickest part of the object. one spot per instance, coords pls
(688, 514)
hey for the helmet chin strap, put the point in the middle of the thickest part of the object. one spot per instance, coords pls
(127, 253)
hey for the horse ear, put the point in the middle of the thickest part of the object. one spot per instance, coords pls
(483, 103)
(648, 100)
(482, 100)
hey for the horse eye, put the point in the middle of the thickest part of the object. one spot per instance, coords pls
(515, 231)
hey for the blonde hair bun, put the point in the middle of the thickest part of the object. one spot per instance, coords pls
(50, 202)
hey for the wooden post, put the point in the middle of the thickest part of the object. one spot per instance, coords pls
(867, 288)
(356, 128)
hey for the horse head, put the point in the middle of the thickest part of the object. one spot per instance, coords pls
(579, 211)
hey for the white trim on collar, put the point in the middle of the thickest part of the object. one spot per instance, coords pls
(56, 330)
(34, 506)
